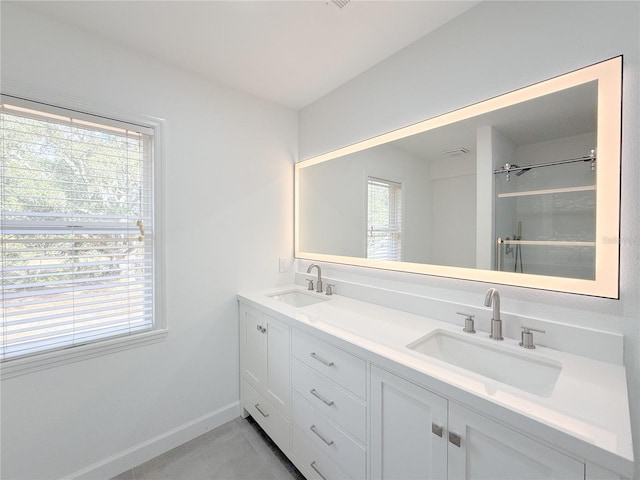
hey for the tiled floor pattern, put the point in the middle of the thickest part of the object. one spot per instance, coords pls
(238, 450)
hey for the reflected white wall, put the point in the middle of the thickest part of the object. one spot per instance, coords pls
(333, 202)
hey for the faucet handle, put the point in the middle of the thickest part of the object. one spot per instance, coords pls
(310, 284)
(330, 288)
(527, 337)
(468, 322)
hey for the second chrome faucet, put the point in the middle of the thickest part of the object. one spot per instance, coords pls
(493, 299)
(319, 280)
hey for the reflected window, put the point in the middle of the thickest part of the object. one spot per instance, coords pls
(384, 220)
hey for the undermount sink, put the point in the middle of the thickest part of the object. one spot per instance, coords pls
(533, 375)
(297, 298)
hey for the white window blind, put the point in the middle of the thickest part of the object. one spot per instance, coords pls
(384, 224)
(76, 228)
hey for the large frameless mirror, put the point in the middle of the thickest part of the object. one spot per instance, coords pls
(521, 189)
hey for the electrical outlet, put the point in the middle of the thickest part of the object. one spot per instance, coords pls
(283, 264)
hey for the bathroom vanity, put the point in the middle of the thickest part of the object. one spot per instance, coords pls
(348, 389)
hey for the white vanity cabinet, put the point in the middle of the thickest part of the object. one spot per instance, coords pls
(418, 434)
(265, 372)
(345, 406)
(329, 410)
(408, 429)
(490, 450)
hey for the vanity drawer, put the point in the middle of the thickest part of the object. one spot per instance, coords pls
(328, 438)
(343, 368)
(344, 409)
(313, 463)
(271, 421)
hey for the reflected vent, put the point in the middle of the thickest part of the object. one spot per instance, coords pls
(339, 3)
(452, 152)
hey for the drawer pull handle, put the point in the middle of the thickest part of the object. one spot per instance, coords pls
(315, 430)
(328, 403)
(315, 356)
(313, 465)
(436, 429)
(265, 415)
(454, 438)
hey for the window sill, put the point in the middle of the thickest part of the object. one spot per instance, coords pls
(23, 366)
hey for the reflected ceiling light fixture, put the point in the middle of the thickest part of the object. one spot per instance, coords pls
(339, 3)
(452, 152)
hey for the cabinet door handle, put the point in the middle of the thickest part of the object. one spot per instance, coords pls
(455, 439)
(436, 429)
(313, 465)
(315, 356)
(265, 415)
(315, 430)
(328, 403)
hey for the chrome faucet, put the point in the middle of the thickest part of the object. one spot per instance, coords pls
(493, 298)
(319, 280)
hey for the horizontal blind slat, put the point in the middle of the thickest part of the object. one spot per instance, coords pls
(113, 294)
(62, 151)
(46, 325)
(74, 284)
(15, 316)
(17, 169)
(63, 269)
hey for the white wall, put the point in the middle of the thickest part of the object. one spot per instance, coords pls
(494, 150)
(452, 229)
(493, 48)
(229, 215)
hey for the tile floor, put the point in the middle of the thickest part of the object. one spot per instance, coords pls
(238, 450)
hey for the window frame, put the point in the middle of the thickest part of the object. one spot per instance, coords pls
(397, 188)
(53, 358)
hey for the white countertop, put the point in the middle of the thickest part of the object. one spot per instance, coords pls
(586, 414)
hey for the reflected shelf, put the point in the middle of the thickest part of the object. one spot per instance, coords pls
(556, 243)
(548, 191)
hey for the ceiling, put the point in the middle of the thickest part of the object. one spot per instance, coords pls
(287, 52)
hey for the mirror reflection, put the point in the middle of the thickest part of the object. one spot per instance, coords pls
(510, 189)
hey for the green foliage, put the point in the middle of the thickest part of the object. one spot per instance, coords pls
(55, 175)
(49, 167)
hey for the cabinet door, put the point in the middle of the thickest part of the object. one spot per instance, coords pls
(408, 428)
(277, 361)
(489, 450)
(253, 347)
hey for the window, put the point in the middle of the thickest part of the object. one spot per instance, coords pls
(384, 220)
(77, 228)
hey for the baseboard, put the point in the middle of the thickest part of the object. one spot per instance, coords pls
(145, 451)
